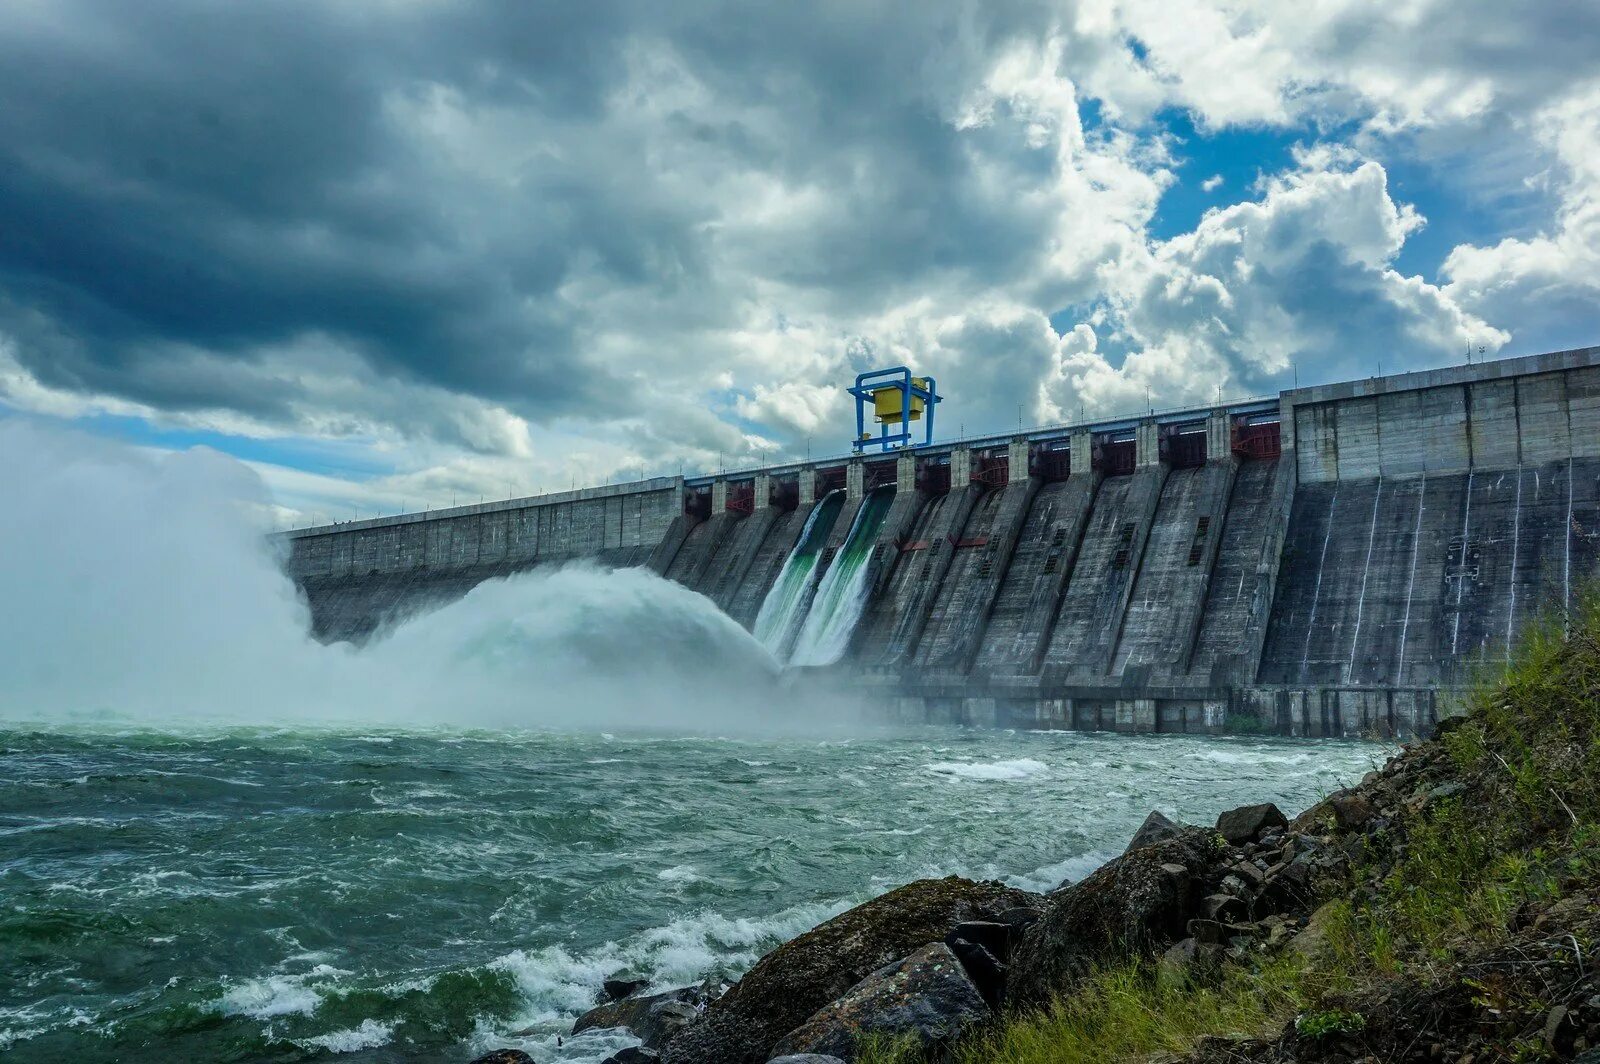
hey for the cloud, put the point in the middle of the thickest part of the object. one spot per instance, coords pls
(1233, 304)
(528, 242)
(1547, 283)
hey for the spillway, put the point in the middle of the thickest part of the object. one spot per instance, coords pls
(840, 597)
(785, 604)
(1335, 560)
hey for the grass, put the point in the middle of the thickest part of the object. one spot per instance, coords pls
(1529, 832)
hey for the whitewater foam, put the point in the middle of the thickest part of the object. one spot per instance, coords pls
(1019, 769)
(275, 995)
(370, 1035)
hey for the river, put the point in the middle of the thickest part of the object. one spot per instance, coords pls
(225, 893)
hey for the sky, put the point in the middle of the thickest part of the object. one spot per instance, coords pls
(395, 254)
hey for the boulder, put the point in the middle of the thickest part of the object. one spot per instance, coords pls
(1351, 812)
(926, 1000)
(1290, 884)
(992, 935)
(1248, 822)
(1189, 961)
(1156, 828)
(983, 968)
(1248, 874)
(653, 1018)
(795, 980)
(1448, 789)
(1222, 907)
(504, 1056)
(1312, 942)
(1020, 917)
(1211, 932)
(633, 1055)
(617, 989)
(1129, 906)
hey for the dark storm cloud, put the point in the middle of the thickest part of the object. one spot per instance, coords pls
(225, 176)
(235, 179)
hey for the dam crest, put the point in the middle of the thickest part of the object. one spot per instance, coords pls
(1337, 560)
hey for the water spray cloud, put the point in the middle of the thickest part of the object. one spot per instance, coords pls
(141, 585)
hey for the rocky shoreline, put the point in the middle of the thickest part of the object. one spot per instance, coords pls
(922, 971)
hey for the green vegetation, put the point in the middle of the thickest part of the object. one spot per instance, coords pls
(1331, 1021)
(1509, 819)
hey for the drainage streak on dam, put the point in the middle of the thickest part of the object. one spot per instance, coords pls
(1334, 561)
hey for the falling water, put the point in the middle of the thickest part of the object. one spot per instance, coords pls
(785, 603)
(836, 608)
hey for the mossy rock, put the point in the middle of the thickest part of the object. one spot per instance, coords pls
(1128, 907)
(795, 980)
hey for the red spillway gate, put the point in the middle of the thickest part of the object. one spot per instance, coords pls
(1258, 441)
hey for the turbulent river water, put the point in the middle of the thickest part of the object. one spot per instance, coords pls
(223, 894)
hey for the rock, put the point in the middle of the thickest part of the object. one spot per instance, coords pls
(1021, 916)
(1128, 906)
(1446, 790)
(795, 980)
(1317, 820)
(1289, 885)
(805, 1058)
(1247, 822)
(926, 999)
(1212, 932)
(1225, 908)
(1156, 828)
(1312, 941)
(1190, 961)
(992, 935)
(1552, 1025)
(1351, 812)
(1232, 884)
(983, 968)
(504, 1056)
(653, 1018)
(1249, 874)
(633, 1055)
(617, 989)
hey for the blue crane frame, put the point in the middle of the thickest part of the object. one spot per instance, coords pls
(898, 376)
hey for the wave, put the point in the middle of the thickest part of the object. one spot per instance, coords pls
(1020, 769)
(370, 1035)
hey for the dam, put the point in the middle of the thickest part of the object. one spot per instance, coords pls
(1337, 560)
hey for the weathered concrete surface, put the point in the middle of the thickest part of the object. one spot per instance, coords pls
(1102, 579)
(894, 620)
(1170, 590)
(1236, 601)
(971, 585)
(689, 566)
(1030, 593)
(738, 555)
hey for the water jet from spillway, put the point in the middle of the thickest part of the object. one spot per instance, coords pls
(784, 607)
(840, 597)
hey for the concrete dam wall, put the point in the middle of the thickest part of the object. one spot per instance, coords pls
(1337, 560)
